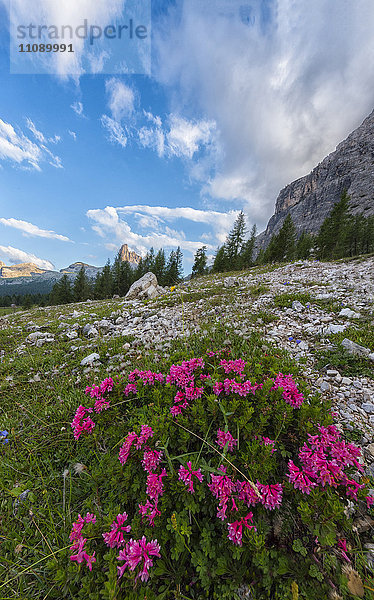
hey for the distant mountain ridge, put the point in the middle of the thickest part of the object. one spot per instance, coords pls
(310, 199)
(29, 275)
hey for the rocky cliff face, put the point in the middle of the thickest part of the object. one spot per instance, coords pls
(21, 270)
(310, 199)
(129, 255)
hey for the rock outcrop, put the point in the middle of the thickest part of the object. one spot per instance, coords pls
(146, 287)
(21, 270)
(129, 255)
(310, 199)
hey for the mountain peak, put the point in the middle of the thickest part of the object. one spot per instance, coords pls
(129, 256)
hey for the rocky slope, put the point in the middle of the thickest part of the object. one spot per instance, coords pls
(309, 199)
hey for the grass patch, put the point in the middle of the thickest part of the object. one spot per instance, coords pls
(285, 300)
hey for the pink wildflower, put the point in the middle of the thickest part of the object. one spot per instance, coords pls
(233, 366)
(236, 529)
(225, 437)
(79, 557)
(290, 392)
(151, 460)
(130, 388)
(145, 433)
(114, 538)
(185, 475)
(80, 424)
(268, 442)
(222, 487)
(126, 447)
(149, 511)
(246, 493)
(139, 553)
(299, 479)
(342, 545)
(155, 485)
(271, 495)
(369, 501)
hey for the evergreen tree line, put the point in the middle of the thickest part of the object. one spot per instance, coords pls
(116, 279)
(341, 235)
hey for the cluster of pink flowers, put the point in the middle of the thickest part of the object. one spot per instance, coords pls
(223, 488)
(98, 391)
(242, 388)
(155, 489)
(324, 459)
(131, 438)
(236, 529)
(233, 366)
(139, 552)
(151, 460)
(114, 538)
(130, 388)
(183, 375)
(271, 495)
(268, 442)
(79, 542)
(81, 423)
(290, 392)
(186, 475)
(225, 437)
(147, 377)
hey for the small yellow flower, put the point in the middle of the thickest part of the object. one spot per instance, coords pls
(172, 288)
(174, 522)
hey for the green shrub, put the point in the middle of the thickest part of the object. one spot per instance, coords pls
(244, 417)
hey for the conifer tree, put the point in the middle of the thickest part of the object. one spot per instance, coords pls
(235, 240)
(200, 262)
(159, 267)
(81, 286)
(331, 239)
(246, 254)
(220, 264)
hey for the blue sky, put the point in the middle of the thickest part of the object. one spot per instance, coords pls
(242, 98)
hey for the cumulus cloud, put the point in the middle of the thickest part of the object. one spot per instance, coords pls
(33, 230)
(115, 131)
(73, 135)
(109, 222)
(179, 137)
(284, 82)
(17, 148)
(16, 256)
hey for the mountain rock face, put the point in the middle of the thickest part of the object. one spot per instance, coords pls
(310, 199)
(129, 255)
(74, 269)
(21, 270)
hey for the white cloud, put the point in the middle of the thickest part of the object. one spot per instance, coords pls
(185, 138)
(19, 149)
(16, 256)
(116, 133)
(73, 134)
(282, 91)
(33, 230)
(77, 108)
(37, 134)
(121, 99)
(107, 222)
(179, 137)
